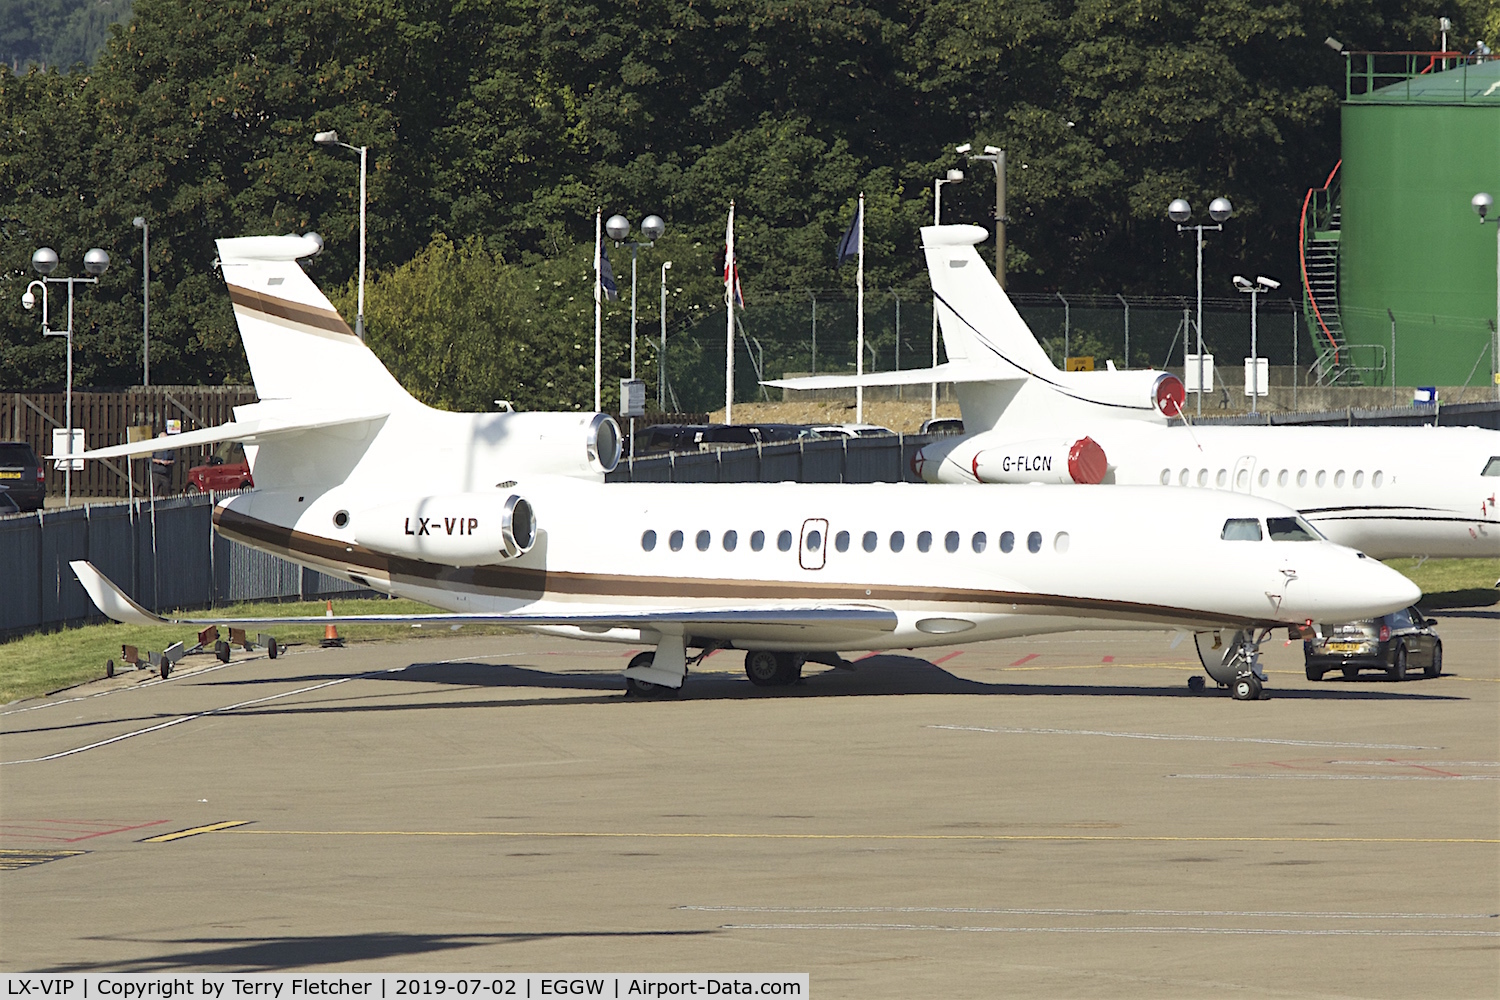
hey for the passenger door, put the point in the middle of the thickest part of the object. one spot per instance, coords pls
(813, 551)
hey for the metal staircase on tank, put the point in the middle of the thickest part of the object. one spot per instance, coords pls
(1320, 284)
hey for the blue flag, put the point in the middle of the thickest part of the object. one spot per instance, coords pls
(607, 276)
(849, 244)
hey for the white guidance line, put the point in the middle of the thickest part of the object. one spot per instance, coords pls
(1250, 931)
(196, 715)
(1031, 911)
(1187, 738)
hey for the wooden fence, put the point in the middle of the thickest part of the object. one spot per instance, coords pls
(104, 416)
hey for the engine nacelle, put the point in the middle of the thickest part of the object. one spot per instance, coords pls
(1056, 461)
(558, 444)
(456, 529)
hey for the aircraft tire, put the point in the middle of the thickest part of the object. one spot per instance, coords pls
(764, 668)
(1246, 688)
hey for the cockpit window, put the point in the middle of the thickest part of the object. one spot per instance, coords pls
(1241, 529)
(1492, 467)
(1290, 529)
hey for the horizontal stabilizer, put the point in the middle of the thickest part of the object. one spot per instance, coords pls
(250, 431)
(912, 376)
(116, 604)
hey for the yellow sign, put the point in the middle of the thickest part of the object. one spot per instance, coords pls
(1084, 364)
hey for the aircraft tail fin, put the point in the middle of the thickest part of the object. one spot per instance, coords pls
(298, 346)
(980, 324)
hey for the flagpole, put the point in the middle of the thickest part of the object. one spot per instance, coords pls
(598, 306)
(859, 367)
(729, 312)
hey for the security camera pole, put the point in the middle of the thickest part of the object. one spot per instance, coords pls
(145, 228)
(996, 156)
(44, 262)
(618, 229)
(1255, 290)
(1482, 203)
(1179, 212)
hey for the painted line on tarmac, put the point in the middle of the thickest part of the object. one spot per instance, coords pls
(1344, 777)
(196, 715)
(915, 837)
(1088, 912)
(1020, 730)
(153, 682)
(1253, 931)
(193, 831)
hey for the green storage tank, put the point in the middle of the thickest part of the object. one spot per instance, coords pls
(1414, 152)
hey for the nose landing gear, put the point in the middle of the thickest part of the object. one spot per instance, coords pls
(1234, 661)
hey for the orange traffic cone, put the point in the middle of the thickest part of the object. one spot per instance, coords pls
(331, 632)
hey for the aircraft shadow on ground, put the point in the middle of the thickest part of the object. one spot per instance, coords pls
(274, 954)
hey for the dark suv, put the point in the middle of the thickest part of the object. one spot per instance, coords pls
(21, 475)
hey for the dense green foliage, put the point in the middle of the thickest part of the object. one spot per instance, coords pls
(497, 126)
(56, 32)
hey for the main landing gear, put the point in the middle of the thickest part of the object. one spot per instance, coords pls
(768, 669)
(1233, 660)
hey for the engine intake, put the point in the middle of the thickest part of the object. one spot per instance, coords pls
(460, 529)
(1082, 461)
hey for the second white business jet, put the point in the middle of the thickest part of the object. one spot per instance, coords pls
(505, 518)
(1388, 491)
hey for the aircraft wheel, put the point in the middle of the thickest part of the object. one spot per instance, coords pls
(764, 668)
(1435, 668)
(1314, 673)
(1397, 672)
(637, 688)
(1196, 684)
(791, 667)
(1246, 688)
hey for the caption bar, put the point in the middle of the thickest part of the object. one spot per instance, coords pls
(388, 986)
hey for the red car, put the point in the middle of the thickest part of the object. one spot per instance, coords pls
(226, 470)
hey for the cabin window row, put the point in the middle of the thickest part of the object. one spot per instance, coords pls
(869, 541)
(1185, 477)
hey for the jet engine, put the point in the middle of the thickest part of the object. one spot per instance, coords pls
(560, 444)
(456, 529)
(1055, 461)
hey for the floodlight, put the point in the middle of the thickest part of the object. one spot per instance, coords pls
(44, 261)
(964, 148)
(96, 262)
(1219, 209)
(1334, 44)
(1480, 203)
(326, 138)
(1179, 210)
(617, 226)
(652, 227)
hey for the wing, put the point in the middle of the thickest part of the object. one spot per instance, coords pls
(911, 376)
(248, 431)
(118, 605)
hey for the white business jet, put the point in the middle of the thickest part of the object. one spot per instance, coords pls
(1388, 491)
(505, 518)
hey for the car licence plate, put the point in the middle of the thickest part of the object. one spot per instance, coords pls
(10, 474)
(1344, 647)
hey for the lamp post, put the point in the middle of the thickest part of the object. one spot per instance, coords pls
(953, 177)
(44, 262)
(145, 228)
(1255, 290)
(618, 229)
(1482, 203)
(661, 361)
(1179, 212)
(995, 156)
(332, 139)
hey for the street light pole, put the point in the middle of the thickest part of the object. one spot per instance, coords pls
(1262, 285)
(44, 261)
(145, 228)
(996, 156)
(332, 139)
(1482, 203)
(1179, 212)
(618, 228)
(661, 360)
(954, 176)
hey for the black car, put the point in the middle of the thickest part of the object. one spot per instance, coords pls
(1394, 643)
(22, 476)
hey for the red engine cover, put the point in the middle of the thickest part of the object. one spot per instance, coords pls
(1170, 395)
(1086, 462)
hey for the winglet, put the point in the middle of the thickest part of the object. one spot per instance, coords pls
(110, 599)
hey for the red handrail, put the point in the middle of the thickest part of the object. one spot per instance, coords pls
(1306, 286)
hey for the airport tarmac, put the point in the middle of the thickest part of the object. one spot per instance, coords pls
(1046, 817)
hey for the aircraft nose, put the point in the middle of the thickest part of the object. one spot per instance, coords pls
(1351, 587)
(1377, 589)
